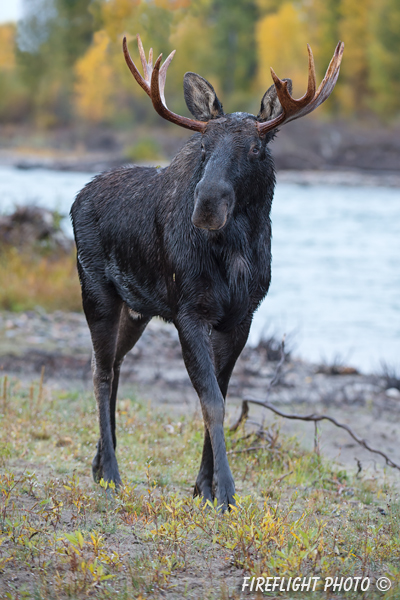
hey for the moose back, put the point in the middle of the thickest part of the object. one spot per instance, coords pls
(190, 243)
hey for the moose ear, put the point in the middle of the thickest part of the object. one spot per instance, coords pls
(201, 98)
(270, 105)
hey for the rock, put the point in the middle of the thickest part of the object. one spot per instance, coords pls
(34, 227)
(393, 393)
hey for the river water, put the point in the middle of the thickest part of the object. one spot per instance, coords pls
(336, 263)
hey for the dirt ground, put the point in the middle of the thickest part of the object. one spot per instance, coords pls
(154, 371)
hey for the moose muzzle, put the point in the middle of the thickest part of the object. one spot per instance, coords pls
(213, 204)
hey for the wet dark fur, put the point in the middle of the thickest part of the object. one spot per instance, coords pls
(139, 249)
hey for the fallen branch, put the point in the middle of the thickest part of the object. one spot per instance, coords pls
(282, 477)
(314, 418)
(250, 449)
(244, 415)
(253, 449)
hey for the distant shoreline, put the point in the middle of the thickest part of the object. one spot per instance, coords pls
(97, 163)
(340, 177)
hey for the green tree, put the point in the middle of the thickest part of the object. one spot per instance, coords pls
(52, 34)
(384, 58)
(355, 31)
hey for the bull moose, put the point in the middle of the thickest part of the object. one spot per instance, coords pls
(190, 243)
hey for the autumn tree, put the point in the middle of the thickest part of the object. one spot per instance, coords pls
(94, 84)
(69, 61)
(384, 58)
(14, 103)
(282, 44)
(355, 31)
(52, 34)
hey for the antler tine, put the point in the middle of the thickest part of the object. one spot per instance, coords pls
(312, 79)
(157, 95)
(294, 109)
(289, 104)
(144, 83)
(147, 67)
(163, 75)
(332, 72)
(153, 84)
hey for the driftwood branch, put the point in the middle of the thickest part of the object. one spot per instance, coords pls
(314, 418)
(275, 379)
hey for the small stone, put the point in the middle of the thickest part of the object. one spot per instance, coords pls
(64, 441)
(393, 393)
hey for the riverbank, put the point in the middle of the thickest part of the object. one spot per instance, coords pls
(103, 162)
(59, 343)
(63, 535)
(305, 151)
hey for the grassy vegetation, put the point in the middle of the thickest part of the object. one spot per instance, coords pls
(30, 279)
(63, 537)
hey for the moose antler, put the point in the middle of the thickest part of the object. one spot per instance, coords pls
(154, 79)
(153, 84)
(294, 109)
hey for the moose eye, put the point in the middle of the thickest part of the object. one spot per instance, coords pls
(255, 150)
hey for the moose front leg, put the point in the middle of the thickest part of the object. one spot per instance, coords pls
(204, 482)
(227, 347)
(198, 356)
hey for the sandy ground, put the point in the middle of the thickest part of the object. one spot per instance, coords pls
(154, 371)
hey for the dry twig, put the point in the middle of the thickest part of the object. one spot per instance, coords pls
(315, 418)
(244, 415)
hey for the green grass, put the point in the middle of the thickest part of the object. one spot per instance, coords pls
(61, 536)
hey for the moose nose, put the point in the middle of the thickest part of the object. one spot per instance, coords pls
(213, 202)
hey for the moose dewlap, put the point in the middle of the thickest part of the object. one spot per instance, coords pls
(190, 243)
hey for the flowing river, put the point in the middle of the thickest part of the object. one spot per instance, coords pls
(335, 270)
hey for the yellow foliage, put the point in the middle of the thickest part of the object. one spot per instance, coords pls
(7, 42)
(355, 31)
(282, 44)
(189, 46)
(94, 81)
(387, 90)
(29, 280)
(172, 4)
(116, 13)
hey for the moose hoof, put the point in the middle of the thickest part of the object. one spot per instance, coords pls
(97, 468)
(107, 472)
(204, 491)
(225, 497)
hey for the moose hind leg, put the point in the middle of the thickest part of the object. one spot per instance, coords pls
(129, 331)
(102, 308)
